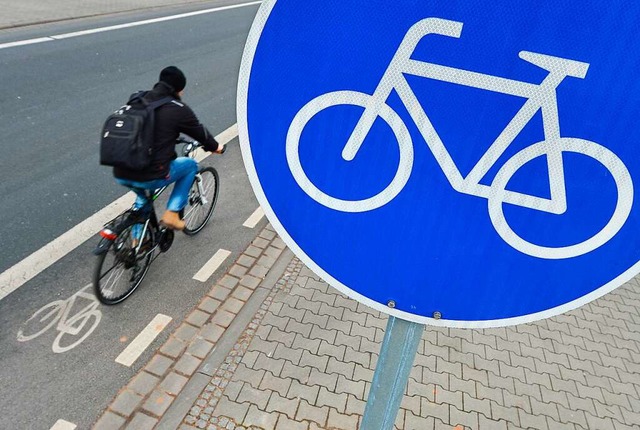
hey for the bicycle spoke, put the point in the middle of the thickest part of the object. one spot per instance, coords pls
(186, 215)
(126, 267)
(112, 283)
(200, 211)
(197, 211)
(108, 271)
(202, 201)
(115, 272)
(206, 190)
(194, 213)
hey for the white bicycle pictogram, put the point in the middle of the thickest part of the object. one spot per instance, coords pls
(540, 97)
(79, 325)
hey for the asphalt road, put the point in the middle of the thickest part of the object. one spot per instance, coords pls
(55, 97)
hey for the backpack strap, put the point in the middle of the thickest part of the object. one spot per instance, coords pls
(158, 103)
(140, 97)
(137, 96)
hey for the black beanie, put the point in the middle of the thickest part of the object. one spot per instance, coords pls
(173, 76)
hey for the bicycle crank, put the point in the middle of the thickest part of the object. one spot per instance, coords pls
(166, 239)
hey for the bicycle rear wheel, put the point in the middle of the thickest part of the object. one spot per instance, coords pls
(120, 270)
(202, 200)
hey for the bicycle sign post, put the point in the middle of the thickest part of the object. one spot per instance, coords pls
(457, 164)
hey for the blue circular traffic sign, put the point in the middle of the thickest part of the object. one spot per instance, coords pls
(474, 161)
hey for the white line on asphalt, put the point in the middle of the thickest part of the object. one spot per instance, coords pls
(22, 272)
(254, 219)
(121, 26)
(63, 425)
(212, 265)
(143, 340)
(26, 42)
(14, 277)
(228, 135)
(225, 137)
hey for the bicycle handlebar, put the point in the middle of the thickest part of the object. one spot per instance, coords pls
(192, 145)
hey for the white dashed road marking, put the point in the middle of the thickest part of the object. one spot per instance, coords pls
(143, 340)
(63, 425)
(212, 265)
(254, 219)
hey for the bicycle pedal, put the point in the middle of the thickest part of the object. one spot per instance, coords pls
(166, 239)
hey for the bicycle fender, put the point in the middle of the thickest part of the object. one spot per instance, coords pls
(103, 246)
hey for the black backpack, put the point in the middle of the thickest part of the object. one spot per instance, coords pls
(127, 135)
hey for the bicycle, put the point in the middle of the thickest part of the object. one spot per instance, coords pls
(135, 238)
(540, 97)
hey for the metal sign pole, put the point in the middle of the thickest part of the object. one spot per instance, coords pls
(397, 353)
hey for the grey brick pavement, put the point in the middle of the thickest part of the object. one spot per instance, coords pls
(306, 358)
(309, 359)
(148, 396)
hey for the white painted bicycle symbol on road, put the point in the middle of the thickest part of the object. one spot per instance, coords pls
(73, 328)
(541, 97)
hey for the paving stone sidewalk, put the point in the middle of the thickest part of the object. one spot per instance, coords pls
(146, 399)
(306, 359)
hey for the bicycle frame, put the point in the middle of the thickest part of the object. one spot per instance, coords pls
(539, 97)
(152, 197)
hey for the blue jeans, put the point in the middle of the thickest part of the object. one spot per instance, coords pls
(182, 171)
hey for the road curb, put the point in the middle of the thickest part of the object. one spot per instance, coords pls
(200, 341)
(185, 401)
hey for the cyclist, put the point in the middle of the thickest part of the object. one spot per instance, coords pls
(166, 167)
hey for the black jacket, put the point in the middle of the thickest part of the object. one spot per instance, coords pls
(171, 119)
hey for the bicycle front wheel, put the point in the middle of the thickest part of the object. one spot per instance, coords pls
(120, 270)
(202, 200)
